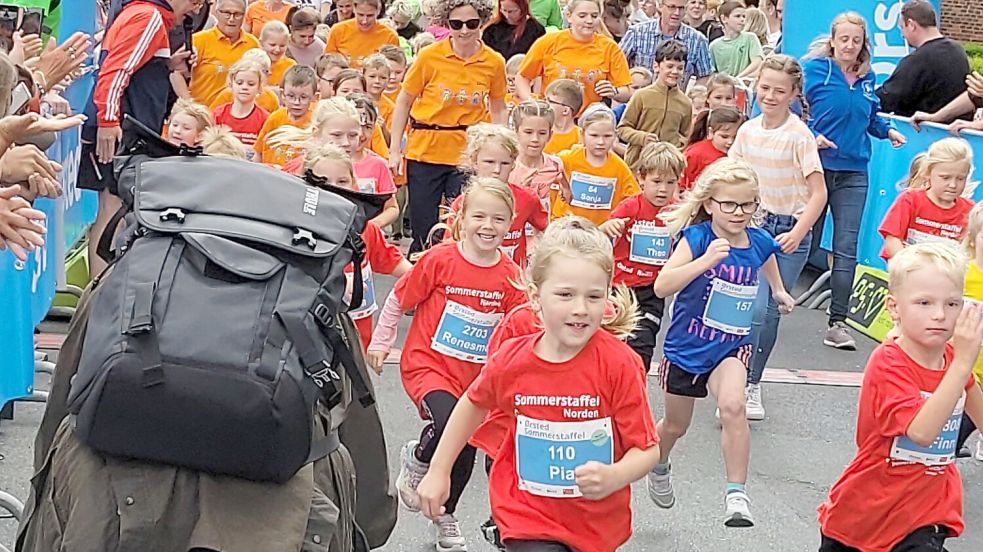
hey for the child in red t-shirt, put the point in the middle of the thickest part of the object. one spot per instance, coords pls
(460, 291)
(713, 135)
(932, 208)
(902, 490)
(641, 240)
(243, 117)
(580, 431)
(333, 164)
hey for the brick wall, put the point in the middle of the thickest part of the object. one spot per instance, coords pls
(963, 19)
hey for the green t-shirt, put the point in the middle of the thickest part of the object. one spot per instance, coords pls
(731, 56)
(547, 12)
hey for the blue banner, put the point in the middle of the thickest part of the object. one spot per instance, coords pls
(16, 329)
(806, 20)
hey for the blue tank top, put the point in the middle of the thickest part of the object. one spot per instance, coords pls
(711, 316)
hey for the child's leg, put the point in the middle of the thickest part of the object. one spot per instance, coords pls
(727, 384)
(675, 422)
(439, 405)
(651, 308)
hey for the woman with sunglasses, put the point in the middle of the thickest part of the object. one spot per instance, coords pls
(580, 53)
(452, 85)
(514, 29)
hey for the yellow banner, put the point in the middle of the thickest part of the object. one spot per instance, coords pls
(867, 312)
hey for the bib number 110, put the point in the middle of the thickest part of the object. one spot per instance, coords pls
(562, 453)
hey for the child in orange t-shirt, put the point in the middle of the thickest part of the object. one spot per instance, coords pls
(299, 93)
(566, 99)
(261, 12)
(511, 70)
(460, 291)
(376, 71)
(567, 380)
(242, 116)
(902, 490)
(332, 164)
(188, 120)
(361, 36)
(273, 39)
(328, 67)
(396, 58)
(597, 180)
(713, 135)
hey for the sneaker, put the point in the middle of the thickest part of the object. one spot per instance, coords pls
(979, 449)
(838, 336)
(755, 409)
(449, 538)
(489, 530)
(738, 510)
(411, 472)
(660, 489)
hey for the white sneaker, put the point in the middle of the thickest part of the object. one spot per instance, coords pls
(979, 449)
(738, 510)
(753, 406)
(660, 488)
(411, 472)
(449, 538)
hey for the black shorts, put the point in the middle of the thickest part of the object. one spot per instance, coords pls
(92, 174)
(676, 381)
(651, 308)
(925, 539)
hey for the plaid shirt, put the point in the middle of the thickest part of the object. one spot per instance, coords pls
(642, 39)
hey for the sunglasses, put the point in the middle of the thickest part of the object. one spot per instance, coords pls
(457, 24)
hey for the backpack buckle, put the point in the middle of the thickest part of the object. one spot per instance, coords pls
(174, 214)
(302, 235)
(323, 314)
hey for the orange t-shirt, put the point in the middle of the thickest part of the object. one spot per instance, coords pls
(450, 92)
(566, 141)
(560, 56)
(257, 15)
(596, 191)
(215, 54)
(348, 40)
(394, 94)
(378, 144)
(281, 155)
(267, 100)
(458, 304)
(278, 69)
(385, 106)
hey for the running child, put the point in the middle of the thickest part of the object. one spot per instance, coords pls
(598, 180)
(932, 208)
(642, 242)
(715, 271)
(268, 98)
(348, 81)
(535, 169)
(721, 91)
(973, 293)
(376, 71)
(334, 166)
(567, 379)
(511, 70)
(711, 139)
(397, 69)
(782, 149)
(219, 141)
(242, 116)
(327, 68)
(460, 291)
(566, 99)
(273, 39)
(902, 490)
(188, 120)
(299, 94)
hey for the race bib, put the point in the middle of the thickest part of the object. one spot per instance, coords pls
(509, 251)
(463, 333)
(939, 453)
(547, 453)
(730, 307)
(591, 192)
(917, 236)
(366, 185)
(368, 306)
(649, 244)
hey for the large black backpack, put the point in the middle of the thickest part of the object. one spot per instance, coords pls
(216, 333)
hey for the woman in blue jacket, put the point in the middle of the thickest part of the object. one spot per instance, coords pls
(839, 88)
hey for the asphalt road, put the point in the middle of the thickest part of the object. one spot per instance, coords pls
(798, 451)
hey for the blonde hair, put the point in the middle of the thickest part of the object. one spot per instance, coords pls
(725, 172)
(645, 72)
(327, 152)
(322, 32)
(493, 186)
(260, 55)
(513, 64)
(575, 237)
(220, 142)
(250, 65)
(531, 108)
(791, 67)
(823, 46)
(597, 113)
(277, 28)
(660, 158)
(719, 80)
(946, 150)
(195, 110)
(376, 61)
(756, 22)
(947, 259)
(421, 41)
(569, 92)
(482, 134)
(602, 29)
(973, 229)
(330, 108)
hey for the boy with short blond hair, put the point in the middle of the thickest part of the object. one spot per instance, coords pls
(299, 94)
(327, 68)
(566, 98)
(902, 490)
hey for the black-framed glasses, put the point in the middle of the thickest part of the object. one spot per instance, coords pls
(457, 24)
(561, 104)
(230, 15)
(731, 207)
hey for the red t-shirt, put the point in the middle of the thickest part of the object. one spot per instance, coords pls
(381, 257)
(294, 166)
(458, 304)
(892, 486)
(643, 247)
(699, 156)
(599, 394)
(528, 210)
(914, 218)
(245, 129)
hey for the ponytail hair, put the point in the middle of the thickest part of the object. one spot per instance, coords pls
(725, 172)
(714, 118)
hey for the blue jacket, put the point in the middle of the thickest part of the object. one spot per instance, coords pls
(842, 113)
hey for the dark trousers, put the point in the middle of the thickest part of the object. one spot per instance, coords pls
(429, 184)
(925, 539)
(438, 406)
(651, 307)
(535, 546)
(847, 194)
